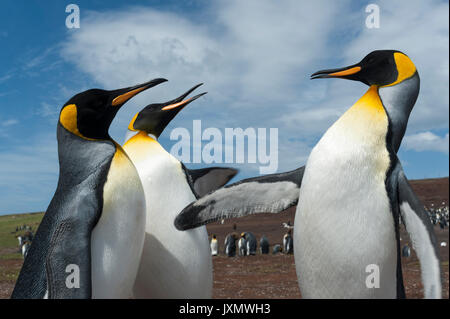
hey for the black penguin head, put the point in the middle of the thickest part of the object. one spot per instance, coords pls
(380, 68)
(154, 118)
(90, 113)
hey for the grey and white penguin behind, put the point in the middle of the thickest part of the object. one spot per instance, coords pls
(93, 228)
(350, 194)
(230, 245)
(250, 242)
(264, 245)
(288, 243)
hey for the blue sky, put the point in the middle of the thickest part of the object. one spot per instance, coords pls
(255, 58)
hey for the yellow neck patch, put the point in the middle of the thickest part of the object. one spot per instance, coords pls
(371, 101)
(131, 125)
(68, 119)
(405, 68)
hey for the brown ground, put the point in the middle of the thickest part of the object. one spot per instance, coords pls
(274, 276)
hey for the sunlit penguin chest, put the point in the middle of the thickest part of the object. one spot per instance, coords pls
(118, 238)
(175, 264)
(344, 220)
(166, 188)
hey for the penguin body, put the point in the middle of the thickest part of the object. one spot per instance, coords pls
(230, 245)
(118, 237)
(264, 245)
(276, 249)
(25, 248)
(92, 232)
(169, 254)
(288, 243)
(406, 251)
(242, 245)
(214, 246)
(251, 243)
(174, 264)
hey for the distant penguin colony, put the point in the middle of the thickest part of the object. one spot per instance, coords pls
(349, 195)
(247, 245)
(132, 219)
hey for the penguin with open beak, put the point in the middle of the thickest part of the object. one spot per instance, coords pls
(174, 263)
(90, 240)
(350, 193)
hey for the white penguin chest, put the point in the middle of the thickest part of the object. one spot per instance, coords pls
(174, 264)
(343, 221)
(118, 238)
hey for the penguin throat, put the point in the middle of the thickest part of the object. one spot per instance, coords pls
(131, 134)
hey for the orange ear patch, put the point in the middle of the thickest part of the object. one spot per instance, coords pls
(68, 119)
(405, 68)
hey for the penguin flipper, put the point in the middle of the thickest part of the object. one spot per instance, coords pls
(420, 230)
(264, 194)
(206, 180)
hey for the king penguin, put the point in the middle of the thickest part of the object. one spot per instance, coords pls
(90, 240)
(214, 246)
(350, 193)
(288, 243)
(242, 245)
(174, 264)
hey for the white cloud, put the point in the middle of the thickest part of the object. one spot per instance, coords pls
(9, 122)
(427, 141)
(255, 58)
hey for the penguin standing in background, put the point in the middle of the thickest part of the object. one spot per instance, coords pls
(25, 247)
(242, 246)
(214, 246)
(288, 243)
(174, 264)
(352, 191)
(230, 245)
(264, 245)
(20, 239)
(276, 249)
(93, 228)
(406, 251)
(251, 242)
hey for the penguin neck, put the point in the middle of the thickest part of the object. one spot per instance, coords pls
(398, 101)
(79, 158)
(364, 123)
(131, 134)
